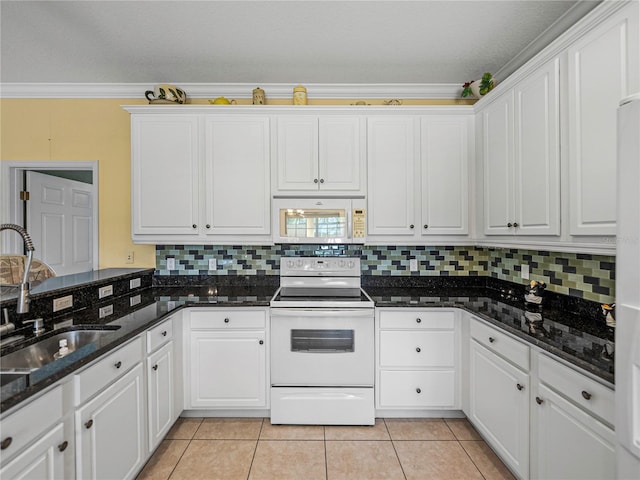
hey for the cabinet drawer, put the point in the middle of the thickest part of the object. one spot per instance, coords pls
(578, 388)
(107, 370)
(413, 318)
(417, 348)
(25, 425)
(225, 319)
(159, 335)
(435, 389)
(513, 350)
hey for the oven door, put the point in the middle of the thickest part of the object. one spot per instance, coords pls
(322, 347)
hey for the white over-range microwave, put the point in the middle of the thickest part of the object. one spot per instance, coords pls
(319, 220)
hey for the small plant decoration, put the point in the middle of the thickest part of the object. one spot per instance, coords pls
(484, 85)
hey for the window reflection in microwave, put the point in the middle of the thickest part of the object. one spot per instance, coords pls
(310, 223)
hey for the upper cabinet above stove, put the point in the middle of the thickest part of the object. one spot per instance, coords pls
(320, 154)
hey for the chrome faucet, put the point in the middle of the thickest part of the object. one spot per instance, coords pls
(23, 298)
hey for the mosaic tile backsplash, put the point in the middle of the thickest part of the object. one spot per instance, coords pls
(591, 277)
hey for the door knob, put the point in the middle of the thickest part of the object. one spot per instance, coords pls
(89, 424)
(539, 400)
(418, 349)
(519, 387)
(509, 225)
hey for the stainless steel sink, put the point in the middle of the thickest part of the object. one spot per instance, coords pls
(37, 355)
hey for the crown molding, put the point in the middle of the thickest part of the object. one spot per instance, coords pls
(234, 90)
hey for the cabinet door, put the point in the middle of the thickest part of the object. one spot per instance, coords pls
(227, 369)
(297, 157)
(341, 153)
(537, 152)
(110, 431)
(391, 154)
(42, 460)
(603, 69)
(445, 181)
(160, 386)
(499, 406)
(237, 176)
(570, 444)
(497, 158)
(164, 174)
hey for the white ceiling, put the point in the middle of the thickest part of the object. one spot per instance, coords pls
(260, 42)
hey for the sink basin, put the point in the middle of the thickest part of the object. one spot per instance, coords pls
(37, 355)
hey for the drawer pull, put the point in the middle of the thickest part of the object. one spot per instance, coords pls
(519, 387)
(418, 349)
(164, 333)
(63, 446)
(155, 367)
(208, 225)
(5, 443)
(226, 320)
(117, 364)
(426, 226)
(515, 224)
(194, 226)
(509, 225)
(261, 342)
(491, 339)
(412, 226)
(586, 395)
(539, 400)
(418, 320)
(89, 424)
(418, 390)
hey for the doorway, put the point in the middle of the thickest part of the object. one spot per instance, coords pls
(61, 214)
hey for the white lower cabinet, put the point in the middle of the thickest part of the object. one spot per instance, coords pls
(499, 400)
(160, 384)
(570, 441)
(26, 450)
(417, 359)
(110, 428)
(227, 359)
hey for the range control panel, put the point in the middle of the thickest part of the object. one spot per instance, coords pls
(320, 266)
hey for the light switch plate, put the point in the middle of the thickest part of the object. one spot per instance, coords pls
(413, 264)
(213, 264)
(135, 283)
(171, 263)
(62, 303)
(105, 311)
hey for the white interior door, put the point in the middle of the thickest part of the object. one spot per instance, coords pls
(60, 221)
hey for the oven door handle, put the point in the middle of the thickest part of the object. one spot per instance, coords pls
(320, 312)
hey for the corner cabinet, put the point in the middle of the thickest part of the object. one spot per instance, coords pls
(188, 166)
(320, 155)
(521, 157)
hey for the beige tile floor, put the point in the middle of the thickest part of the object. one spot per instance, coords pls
(253, 449)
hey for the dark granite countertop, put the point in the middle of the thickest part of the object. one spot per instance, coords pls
(575, 337)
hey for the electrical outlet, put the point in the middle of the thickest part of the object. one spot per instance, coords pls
(129, 258)
(524, 271)
(133, 301)
(413, 264)
(135, 283)
(105, 291)
(62, 303)
(105, 311)
(213, 264)
(171, 263)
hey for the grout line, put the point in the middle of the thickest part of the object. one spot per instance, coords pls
(474, 463)
(393, 445)
(255, 449)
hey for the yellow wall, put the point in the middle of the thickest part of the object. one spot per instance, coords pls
(98, 129)
(82, 130)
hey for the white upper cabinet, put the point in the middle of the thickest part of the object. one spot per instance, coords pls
(444, 158)
(165, 159)
(537, 152)
(521, 157)
(200, 178)
(392, 149)
(320, 154)
(603, 69)
(237, 176)
(497, 156)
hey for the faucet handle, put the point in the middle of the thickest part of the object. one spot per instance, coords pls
(38, 325)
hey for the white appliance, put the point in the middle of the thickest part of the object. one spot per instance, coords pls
(322, 344)
(319, 220)
(627, 356)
